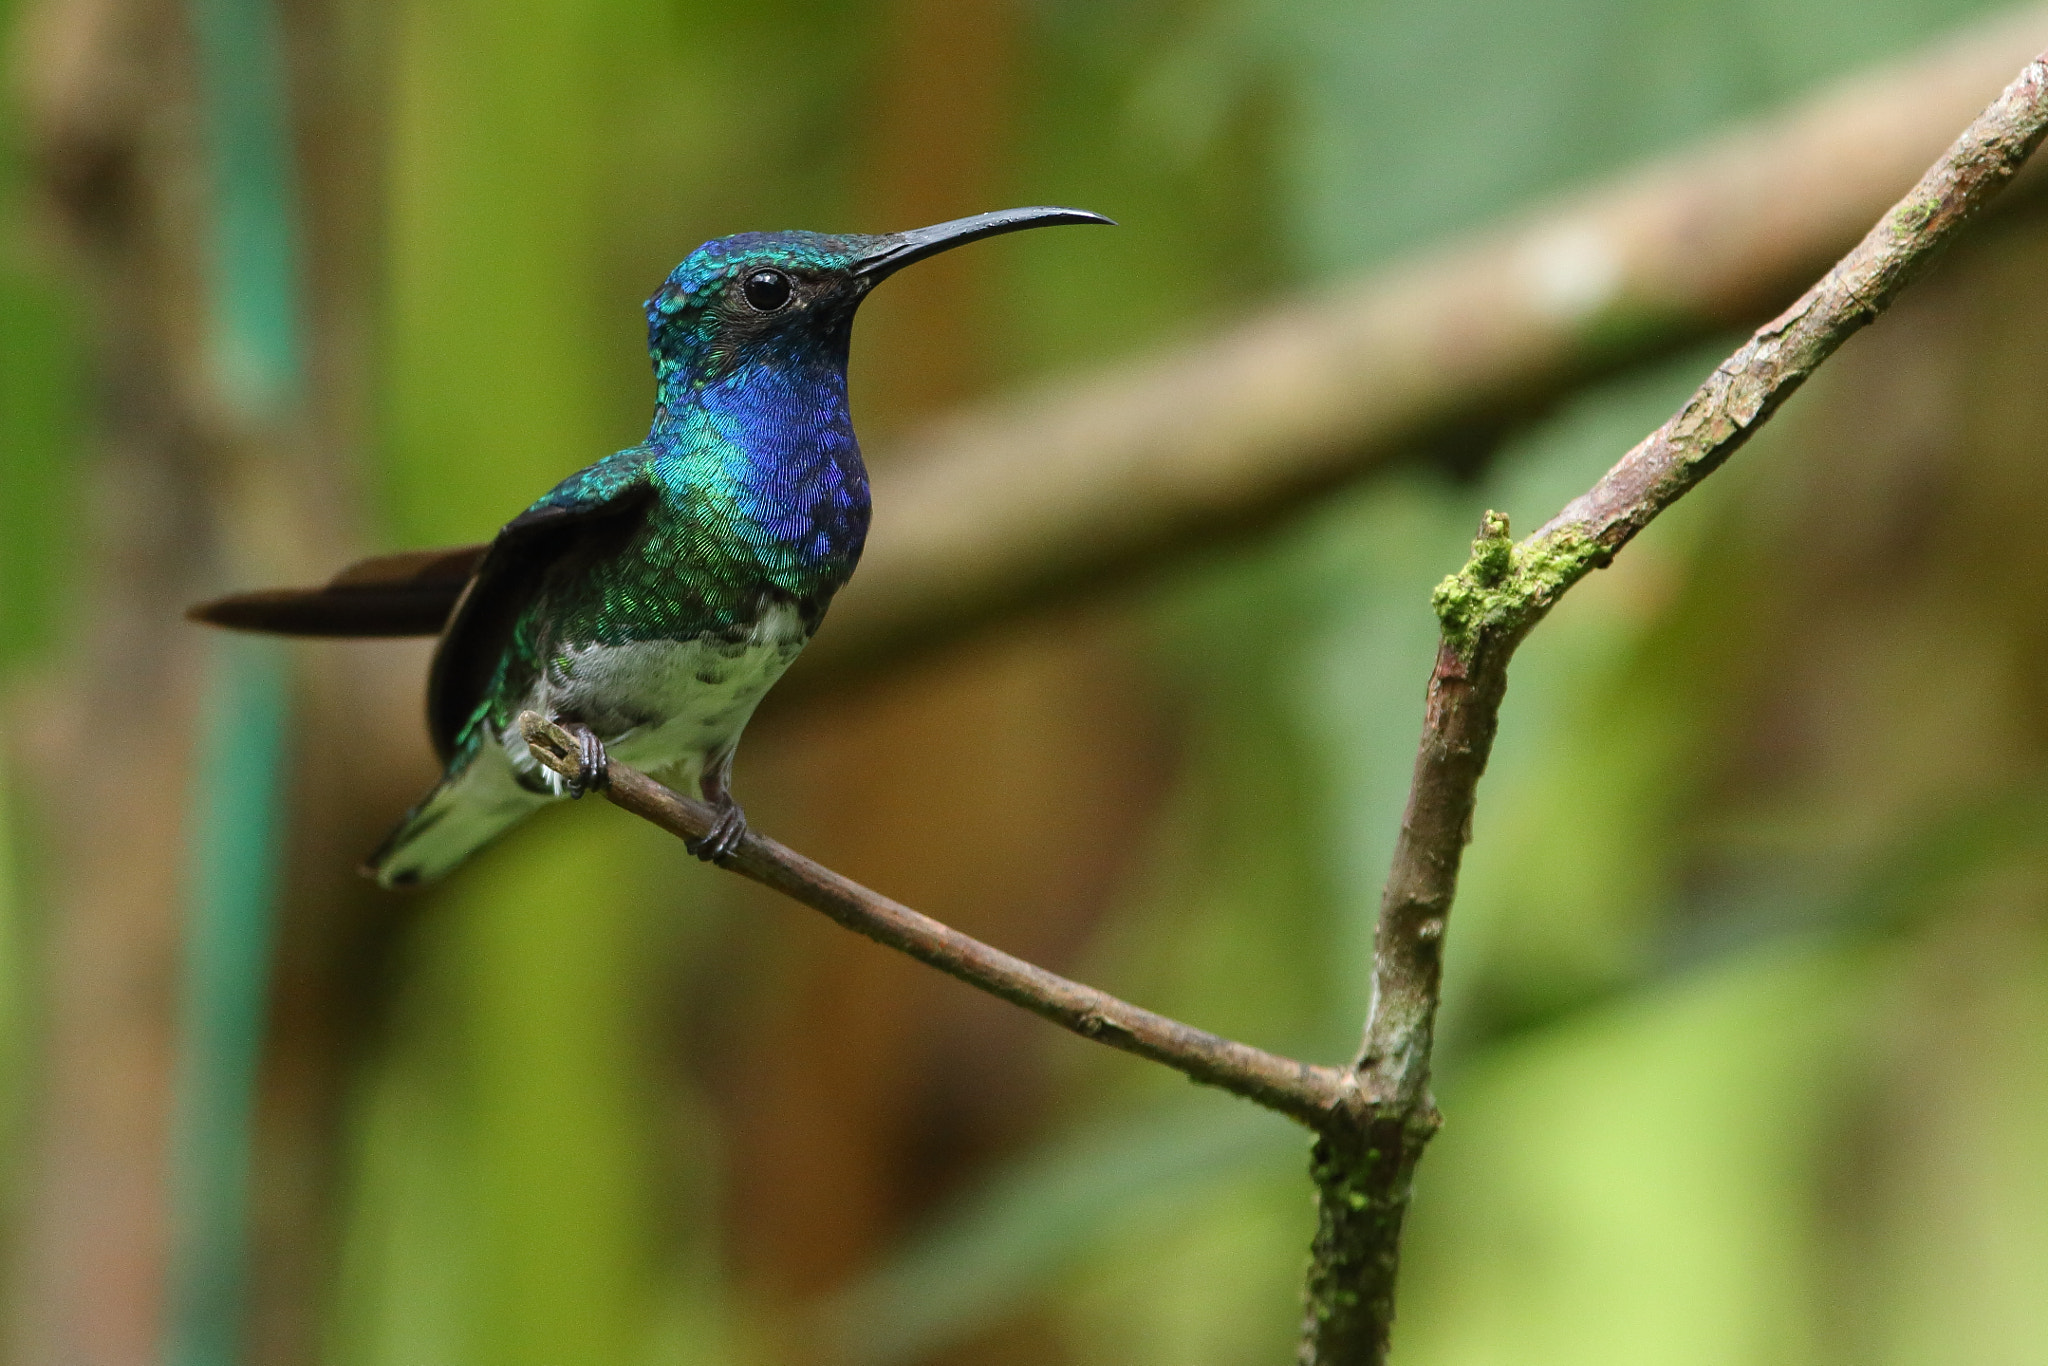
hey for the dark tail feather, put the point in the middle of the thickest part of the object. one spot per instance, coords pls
(393, 595)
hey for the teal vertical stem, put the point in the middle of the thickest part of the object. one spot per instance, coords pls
(227, 959)
(255, 360)
(254, 249)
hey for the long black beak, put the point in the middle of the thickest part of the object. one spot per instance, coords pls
(896, 250)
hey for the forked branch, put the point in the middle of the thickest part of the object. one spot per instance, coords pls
(1487, 609)
(1373, 1119)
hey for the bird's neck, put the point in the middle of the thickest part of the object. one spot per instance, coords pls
(775, 398)
(772, 439)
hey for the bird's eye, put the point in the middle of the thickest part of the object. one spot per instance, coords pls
(767, 290)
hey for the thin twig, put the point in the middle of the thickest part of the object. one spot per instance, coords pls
(1299, 1090)
(1363, 1179)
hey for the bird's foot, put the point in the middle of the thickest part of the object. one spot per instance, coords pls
(593, 766)
(720, 842)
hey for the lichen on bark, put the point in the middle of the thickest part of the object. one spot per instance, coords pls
(1505, 588)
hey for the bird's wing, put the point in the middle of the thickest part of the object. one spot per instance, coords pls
(590, 514)
(411, 594)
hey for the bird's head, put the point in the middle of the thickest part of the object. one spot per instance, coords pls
(780, 298)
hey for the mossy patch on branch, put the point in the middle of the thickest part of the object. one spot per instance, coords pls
(1504, 587)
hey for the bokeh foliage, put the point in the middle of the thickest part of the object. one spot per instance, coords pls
(1744, 1043)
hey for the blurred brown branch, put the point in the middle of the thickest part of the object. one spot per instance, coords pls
(1300, 1090)
(1009, 507)
(1363, 1177)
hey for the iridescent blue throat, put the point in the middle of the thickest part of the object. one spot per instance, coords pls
(764, 436)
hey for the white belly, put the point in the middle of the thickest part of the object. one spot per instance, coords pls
(666, 707)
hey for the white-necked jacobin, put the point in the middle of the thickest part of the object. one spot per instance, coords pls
(649, 600)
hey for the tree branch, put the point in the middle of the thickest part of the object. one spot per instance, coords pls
(1374, 1118)
(1032, 499)
(1299, 1090)
(1363, 1178)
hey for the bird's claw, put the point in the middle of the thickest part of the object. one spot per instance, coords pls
(593, 765)
(723, 839)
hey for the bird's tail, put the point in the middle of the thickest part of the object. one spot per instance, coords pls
(466, 810)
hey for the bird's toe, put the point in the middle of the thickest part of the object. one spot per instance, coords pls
(723, 838)
(593, 765)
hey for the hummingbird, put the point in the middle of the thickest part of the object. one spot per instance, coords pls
(648, 601)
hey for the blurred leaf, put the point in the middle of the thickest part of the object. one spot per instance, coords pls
(16, 984)
(495, 342)
(1945, 1248)
(506, 1144)
(1649, 1205)
(1000, 1246)
(42, 480)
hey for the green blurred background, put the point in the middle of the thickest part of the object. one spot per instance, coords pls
(1745, 1056)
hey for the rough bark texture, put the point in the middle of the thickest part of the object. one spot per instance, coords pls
(1361, 1180)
